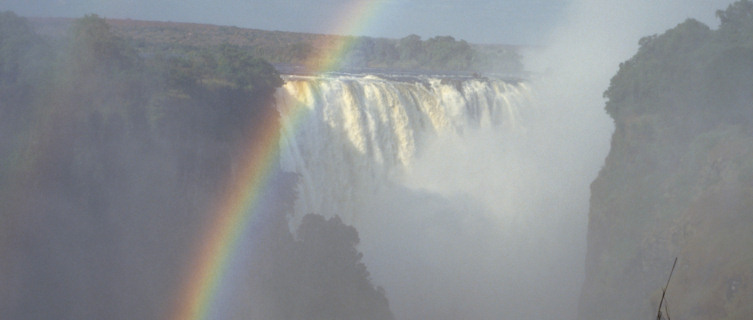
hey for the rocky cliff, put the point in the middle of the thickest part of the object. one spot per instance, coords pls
(678, 180)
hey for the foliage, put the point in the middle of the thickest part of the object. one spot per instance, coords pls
(98, 73)
(736, 21)
(324, 276)
(411, 53)
(661, 61)
(246, 71)
(19, 45)
(94, 45)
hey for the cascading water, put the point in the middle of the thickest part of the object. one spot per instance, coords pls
(365, 132)
(456, 215)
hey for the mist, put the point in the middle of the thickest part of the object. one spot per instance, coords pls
(467, 197)
(491, 223)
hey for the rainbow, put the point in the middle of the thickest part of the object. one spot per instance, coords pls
(237, 207)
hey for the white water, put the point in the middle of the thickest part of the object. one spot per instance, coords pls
(460, 207)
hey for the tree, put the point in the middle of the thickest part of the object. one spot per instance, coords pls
(447, 53)
(246, 71)
(737, 22)
(17, 43)
(94, 45)
(410, 48)
(336, 283)
(319, 276)
(737, 15)
(385, 52)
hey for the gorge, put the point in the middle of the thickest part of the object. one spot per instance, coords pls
(144, 179)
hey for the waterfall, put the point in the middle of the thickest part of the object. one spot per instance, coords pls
(361, 133)
(443, 179)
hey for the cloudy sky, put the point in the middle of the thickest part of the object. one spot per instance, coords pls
(477, 21)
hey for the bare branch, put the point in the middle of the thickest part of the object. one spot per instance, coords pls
(664, 291)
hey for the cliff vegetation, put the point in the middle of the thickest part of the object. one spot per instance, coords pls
(111, 162)
(678, 180)
(410, 53)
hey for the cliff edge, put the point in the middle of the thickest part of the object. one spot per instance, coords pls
(678, 180)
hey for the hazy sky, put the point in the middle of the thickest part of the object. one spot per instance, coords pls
(478, 21)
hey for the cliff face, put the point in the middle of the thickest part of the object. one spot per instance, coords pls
(678, 181)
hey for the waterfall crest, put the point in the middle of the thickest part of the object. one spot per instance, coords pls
(363, 133)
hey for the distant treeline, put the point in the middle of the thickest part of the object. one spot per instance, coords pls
(441, 53)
